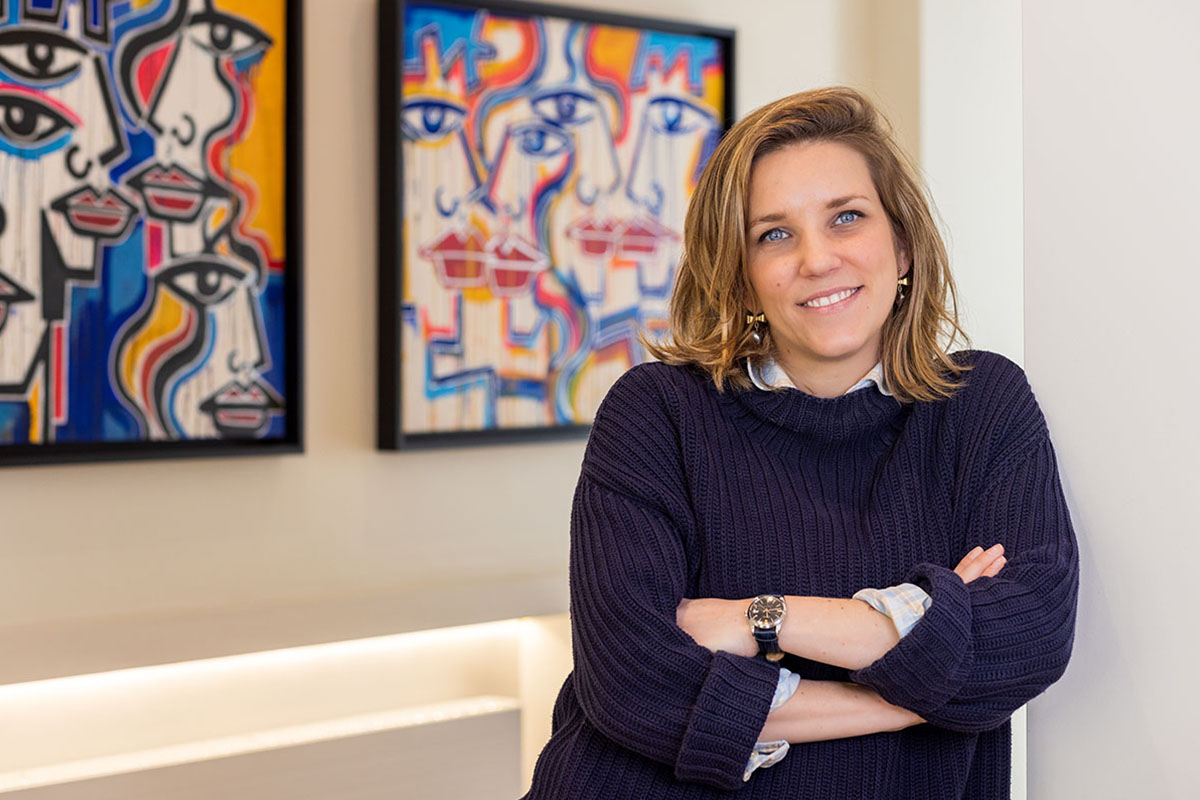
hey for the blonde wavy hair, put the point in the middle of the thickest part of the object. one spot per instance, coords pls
(708, 326)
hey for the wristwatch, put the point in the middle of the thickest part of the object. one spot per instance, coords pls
(766, 613)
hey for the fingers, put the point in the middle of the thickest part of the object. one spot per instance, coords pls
(980, 563)
(995, 567)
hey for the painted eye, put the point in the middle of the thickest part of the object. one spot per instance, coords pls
(564, 107)
(29, 127)
(540, 141)
(430, 120)
(674, 116)
(226, 36)
(204, 282)
(39, 56)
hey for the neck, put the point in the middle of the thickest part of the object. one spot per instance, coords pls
(826, 378)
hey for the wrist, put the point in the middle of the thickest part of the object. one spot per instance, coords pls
(766, 614)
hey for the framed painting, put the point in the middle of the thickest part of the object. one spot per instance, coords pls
(150, 210)
(535, 167)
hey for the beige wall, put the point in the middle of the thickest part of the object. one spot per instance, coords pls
(1112, 339)
(229, 555)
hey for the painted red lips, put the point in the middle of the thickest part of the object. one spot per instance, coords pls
(507, 264)
(635, 238)
(171, 192)
(240, 410)
(101, 215)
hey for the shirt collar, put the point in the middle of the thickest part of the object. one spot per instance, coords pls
(770, 376)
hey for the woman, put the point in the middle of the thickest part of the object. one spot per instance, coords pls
(805, 437)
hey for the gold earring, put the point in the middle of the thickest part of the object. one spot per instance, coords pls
(900, 284)
(752, 320)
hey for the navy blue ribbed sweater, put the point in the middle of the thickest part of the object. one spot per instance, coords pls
(687, 492)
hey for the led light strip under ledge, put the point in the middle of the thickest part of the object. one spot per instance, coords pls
(258, 741)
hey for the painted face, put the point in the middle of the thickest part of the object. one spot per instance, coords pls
(674, 136)
(439, 180)
(190, 364)
(555, 171)
(194, 109)
(818, 232)
(57, 131)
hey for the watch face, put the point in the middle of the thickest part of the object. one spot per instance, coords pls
(766, 612)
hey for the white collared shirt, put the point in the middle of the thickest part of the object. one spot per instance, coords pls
(770, 376)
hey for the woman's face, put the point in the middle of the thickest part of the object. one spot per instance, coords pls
(818, 232)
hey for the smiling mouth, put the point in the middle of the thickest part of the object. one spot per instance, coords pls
(825, 301)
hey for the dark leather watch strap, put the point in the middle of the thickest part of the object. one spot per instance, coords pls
(768, 644)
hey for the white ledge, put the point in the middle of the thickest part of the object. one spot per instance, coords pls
(87, 646)
(258, 741)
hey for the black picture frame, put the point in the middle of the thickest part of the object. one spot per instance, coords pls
(292, 438)
(391, 15)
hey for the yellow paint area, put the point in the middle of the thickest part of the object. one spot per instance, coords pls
(35, 410)
(614, 49)
(165, 319)
(259, 157)
(714, 90)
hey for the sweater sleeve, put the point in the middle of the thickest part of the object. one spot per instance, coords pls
(641, 680)
(984, 649)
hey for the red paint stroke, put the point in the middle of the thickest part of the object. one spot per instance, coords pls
(59, 337)
(150, 71)
(161, 352)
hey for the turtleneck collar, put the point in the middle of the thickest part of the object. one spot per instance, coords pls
(863, 412)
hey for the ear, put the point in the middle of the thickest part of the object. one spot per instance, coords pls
(750, 301)
(903, 260)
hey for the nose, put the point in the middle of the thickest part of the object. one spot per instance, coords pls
(817, 254)
(458, 181)
(644, 188)
(503, 192)
(599, 175)
(247, 355)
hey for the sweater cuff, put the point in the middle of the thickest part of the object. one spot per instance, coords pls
(929, 665)
(726, 719)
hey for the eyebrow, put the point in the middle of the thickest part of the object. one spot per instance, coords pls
(837, 202)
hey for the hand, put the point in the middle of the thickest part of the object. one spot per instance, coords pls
(718, 624)
(980, 563)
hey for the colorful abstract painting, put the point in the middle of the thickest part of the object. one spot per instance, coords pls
(546, 162)
(144, 272)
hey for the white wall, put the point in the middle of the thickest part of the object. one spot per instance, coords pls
(1112, 340)
(970, 99)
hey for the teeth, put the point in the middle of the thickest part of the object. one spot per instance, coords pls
(829, 299)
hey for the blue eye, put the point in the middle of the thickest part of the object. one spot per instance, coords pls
(847, 216)
(564, 106)
(430, 120)
(773, 235)
(30, 128)
(675, 116)
(540, 141)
